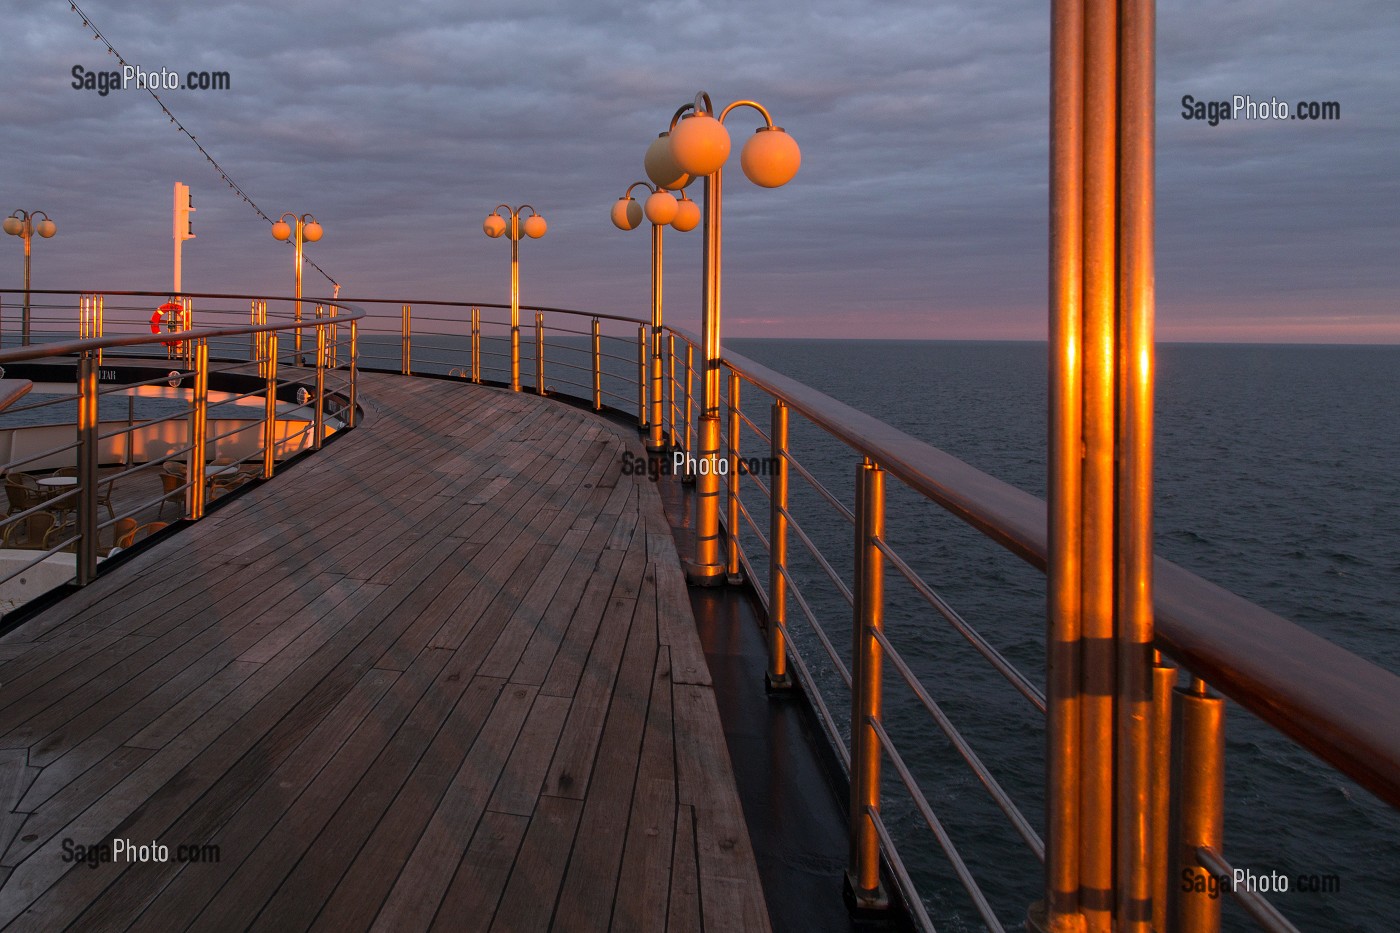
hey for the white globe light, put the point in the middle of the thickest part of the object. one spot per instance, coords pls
(687, 215)
(661, 167)
(770, 158)
(47, 228)
(311, 232)
(535, 226)
(494, 225)
(626, 214)
(699, 144)
(281, 230)
(661, 208)
(14, 226)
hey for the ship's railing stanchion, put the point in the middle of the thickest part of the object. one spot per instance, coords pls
(406, 341)
(1198, 804)
(319, 433)
(354, 372)
(1164, 678)
(476, 345)
(597, 366)
(671, 389)
(539, 352)
(270, 411)
(199, 429)
(641, 375)
(689, 404)
(863, 886)
(777, 677)
(732, 569)
(87, 468)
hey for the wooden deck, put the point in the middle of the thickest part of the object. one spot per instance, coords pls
(441, 675)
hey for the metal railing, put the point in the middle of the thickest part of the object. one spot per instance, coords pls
(1225, 645)
(204, 441)
(1219, 643)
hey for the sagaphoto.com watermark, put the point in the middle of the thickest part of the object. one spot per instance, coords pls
(1246, 107)
(134, 77)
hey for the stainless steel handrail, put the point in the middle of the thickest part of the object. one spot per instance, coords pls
(1338, 705)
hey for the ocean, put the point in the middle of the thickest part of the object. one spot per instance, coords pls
(1275, 478)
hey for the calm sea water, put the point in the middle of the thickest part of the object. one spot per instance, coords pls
(1275, 478)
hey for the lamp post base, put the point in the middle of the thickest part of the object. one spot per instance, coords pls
(698, 574)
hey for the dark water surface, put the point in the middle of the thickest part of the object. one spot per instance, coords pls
(1275, 478)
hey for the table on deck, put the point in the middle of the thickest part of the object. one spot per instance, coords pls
(441, 675)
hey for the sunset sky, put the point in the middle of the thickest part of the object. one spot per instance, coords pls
(920, 209)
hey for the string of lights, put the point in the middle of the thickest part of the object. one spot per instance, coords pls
(233, 186)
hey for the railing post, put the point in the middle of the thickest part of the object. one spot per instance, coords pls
(87, 468)
(1159, 823)
(671, 389)
(539, 352)
(406, 341)
(597, 367)
(689, 386)
(319, 434)
(863, 888)
(270, 413)
(641, 375)
(254, 339)
(199, 429)
(1198, 804)
(476, 345)
(350, 418)
(777, 677)
(732, 566)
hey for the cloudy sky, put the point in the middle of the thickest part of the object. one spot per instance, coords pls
(920, 209)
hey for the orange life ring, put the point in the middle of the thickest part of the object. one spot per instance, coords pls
(172, 308)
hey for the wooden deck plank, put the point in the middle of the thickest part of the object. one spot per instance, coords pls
(445, 691)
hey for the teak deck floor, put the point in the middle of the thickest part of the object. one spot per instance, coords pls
(441, 675)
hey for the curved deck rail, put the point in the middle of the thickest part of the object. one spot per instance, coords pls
(1338, 706)
(267, 406)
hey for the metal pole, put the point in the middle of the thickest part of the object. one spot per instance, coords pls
(1135, 351)
(708, 568)
(1199, 804)
(863, 873)
(597, 367)
(199, 430)
(777, 677)
(270, 413)
(476, 344)
(319, 434)
(689, 392)
(515, 301)
(350, 417)
(27, 233)
(298, 305)
(671, 387)
(732, 568)
(655, 440)
(1060, 909)
(1097, 753)
(539, 352)
(87, 469)
(406, 340)
(641, 375)
(1163, 693)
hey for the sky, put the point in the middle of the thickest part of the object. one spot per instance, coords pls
(920, 210)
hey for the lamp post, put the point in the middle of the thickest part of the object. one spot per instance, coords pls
(23, 225)
(534, 227)
(306, 230)
(662, 208)
(697, 146)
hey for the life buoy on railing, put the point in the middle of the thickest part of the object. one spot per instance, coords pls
(170, 314)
